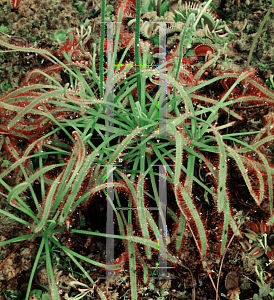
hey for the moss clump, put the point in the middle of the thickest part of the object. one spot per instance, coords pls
(36, 21)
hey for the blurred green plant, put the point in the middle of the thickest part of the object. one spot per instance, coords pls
(60, 35)
(257, 35)
(264, 288)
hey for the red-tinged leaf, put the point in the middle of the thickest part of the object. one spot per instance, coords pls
(264, 228)
(270, 220)
(14, 3)
(257, 252)
(251, 235)
(127, 8)
(255, 226)
(270, 255)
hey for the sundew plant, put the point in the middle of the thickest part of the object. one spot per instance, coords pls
(130, 133)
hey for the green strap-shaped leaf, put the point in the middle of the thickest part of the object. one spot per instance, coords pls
(179, 141)
(181, 230)
(39, 252)
(222, 171)
(269, 179)
(132, 270)
(144, 266)
(15, 218)
(14, 194)
(76, 161)
(135, 239)
(197, 220)
(51, 280)
(17, 239)
(28, 108)
(139, 200)
(225, 224)
(47, 205)
(262, 88)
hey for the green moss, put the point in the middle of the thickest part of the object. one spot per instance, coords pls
(35, 20)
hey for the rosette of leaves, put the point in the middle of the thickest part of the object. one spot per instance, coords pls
(59, 193)
(62, 193)
(190, 136)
